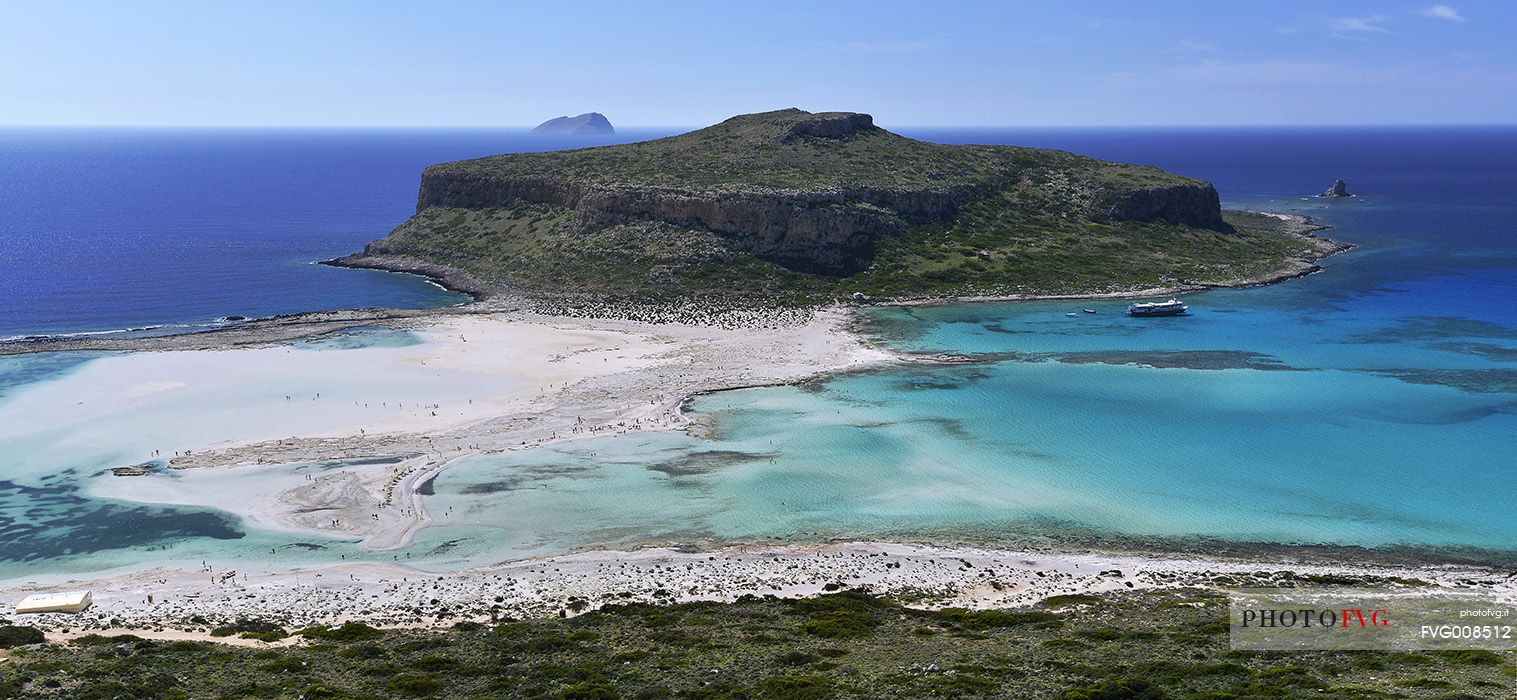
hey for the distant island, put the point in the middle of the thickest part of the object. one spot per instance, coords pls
(590, 123)
(791, 207)
(1339, 189)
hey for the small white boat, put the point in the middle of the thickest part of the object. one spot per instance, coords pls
(70, 602)
(1173, 307)
(1089, 311)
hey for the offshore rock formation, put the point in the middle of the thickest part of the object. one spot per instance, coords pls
(589, 123)
(1339, 189)
(761, 198)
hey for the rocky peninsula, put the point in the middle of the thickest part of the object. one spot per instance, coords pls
(795, 208)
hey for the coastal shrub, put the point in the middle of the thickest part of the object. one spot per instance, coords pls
(981, 619)
(434, 663)
(92, 639)
(259, 629)
(1470, 657)
(285, 665)
(796, 658)
(348, 632)
(415, 684)
(840, 624)
(1103, 634)
(985, 654)
(1427, 684)
(1116, 689)
(850, 601)
(16, 635)
(363, 652)
(589, 691)
(959, 685)
(802, 687)
(1073, 599)
(322, 691)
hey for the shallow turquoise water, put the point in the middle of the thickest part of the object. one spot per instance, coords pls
(1373, 405)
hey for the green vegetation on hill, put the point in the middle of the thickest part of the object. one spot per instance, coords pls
(524, 248)
(1150, 645)
(798, 208)
(775, 151)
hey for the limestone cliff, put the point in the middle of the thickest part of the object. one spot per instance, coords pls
(814, 199)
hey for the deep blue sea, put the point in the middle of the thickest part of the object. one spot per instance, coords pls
(109, 229)
(1371, 405)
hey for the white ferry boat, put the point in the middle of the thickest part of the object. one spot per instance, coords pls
(1173, 307)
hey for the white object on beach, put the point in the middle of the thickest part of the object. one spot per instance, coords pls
(71, 602)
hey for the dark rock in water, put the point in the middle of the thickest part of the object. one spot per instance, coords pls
(233, 318)
(134, 470)
(1339, 189)
(585, 124)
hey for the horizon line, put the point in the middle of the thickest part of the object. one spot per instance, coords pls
(702, 126)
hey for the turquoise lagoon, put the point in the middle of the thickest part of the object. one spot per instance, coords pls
(1371, 406)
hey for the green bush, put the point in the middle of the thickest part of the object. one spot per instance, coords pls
(840, 624)
(802, 687)
(993, 618)
(415, 684)
(1116, 689)
(348, 632)
(15, 636)
(1470, 657)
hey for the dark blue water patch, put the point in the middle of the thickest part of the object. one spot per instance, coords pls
(937, 378)
(425, 488)
(1478, 381)
(1432, 415)
(948, 426)
(1177, 359)
(521, 477)
(54, 520)
(1423, 328)
(447, 546)
(19, 370)
(1488, 351)
(701, 462)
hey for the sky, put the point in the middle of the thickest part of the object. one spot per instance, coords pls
(675, 63)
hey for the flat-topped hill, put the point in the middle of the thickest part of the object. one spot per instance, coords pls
(795, 206)
(589, 123)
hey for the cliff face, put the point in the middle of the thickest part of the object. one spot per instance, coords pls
(825, 231)
(1196, 205)
(811, 193)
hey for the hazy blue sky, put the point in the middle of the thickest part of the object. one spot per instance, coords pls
(455, 62)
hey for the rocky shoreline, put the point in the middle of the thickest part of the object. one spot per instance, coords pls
(490, 298)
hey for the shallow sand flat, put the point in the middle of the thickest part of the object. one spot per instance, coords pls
(924, 575)
(475, 383)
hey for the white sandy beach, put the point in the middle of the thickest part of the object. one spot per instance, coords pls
(923, 575)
